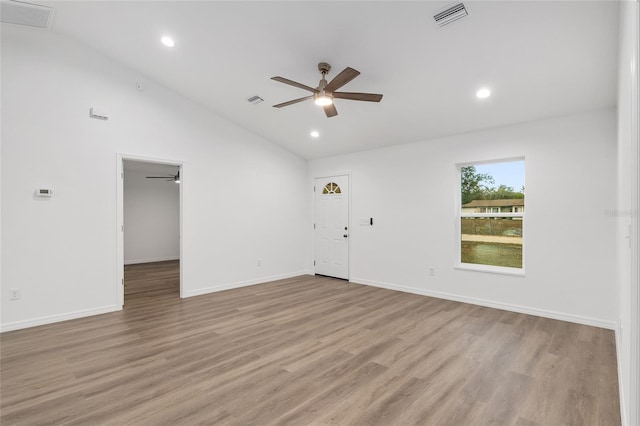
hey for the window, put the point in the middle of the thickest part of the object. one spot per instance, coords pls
(491, 216)
(331, 188)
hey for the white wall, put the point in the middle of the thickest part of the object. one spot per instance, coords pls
(241, 194)
(627, 213)
(151, 218)
(411, 191)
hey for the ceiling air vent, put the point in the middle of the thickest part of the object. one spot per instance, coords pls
(450, 14)
(27, 14)
(255, 99)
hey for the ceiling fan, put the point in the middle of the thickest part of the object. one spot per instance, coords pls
(169, 177)
(325, 93)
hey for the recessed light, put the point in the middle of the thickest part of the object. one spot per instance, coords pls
(167, 41)
(314, 134)
(483, 93)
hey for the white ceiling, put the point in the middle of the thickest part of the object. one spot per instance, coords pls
(154, 169)
(539, 58)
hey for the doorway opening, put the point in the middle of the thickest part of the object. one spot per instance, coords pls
(149, 230)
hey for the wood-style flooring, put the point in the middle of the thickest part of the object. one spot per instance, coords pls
(301, 351)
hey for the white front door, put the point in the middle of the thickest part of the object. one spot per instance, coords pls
(332, 226)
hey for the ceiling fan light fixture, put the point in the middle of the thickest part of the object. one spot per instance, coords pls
(322, 99)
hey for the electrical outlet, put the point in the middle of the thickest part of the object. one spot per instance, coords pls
(432, 272)
(14, 294)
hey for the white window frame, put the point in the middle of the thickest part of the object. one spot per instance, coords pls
(460, 215)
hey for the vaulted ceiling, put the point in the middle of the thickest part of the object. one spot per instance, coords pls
(539, 59)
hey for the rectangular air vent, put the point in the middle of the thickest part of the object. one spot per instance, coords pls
(27, 14)
(255, 99)
(450, 14)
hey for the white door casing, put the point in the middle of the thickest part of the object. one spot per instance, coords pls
(120, 218)
(332, 226)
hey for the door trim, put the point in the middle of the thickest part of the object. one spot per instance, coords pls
(120, 218)
(350, 186)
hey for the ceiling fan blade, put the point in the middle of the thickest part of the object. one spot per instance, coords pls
(293, 83)
(330, 110)
(345, 76)
(157, 177)
(295, 101)
(368, 97)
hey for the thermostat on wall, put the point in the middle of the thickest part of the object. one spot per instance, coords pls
(43, 192)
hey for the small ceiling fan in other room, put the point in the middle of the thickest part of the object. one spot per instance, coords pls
(325, 93)
(169, 177)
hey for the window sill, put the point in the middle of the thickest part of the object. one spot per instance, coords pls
(501, 270)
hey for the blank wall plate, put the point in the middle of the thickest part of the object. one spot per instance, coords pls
(14, 294)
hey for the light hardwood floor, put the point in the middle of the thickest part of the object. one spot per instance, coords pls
(307, 350)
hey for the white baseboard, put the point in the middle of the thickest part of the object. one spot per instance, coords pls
(623, 411)
(154, 259)
(229, 286)
(595, 322)
(34, 322)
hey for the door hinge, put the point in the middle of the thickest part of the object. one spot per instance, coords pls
(314, 263)
(314, 188)
(314, 226)
(121, 175)
(123, 282)
(122, 228)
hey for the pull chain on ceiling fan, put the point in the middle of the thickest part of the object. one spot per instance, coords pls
(325, 93)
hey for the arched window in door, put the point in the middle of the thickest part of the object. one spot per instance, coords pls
(331, 188)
